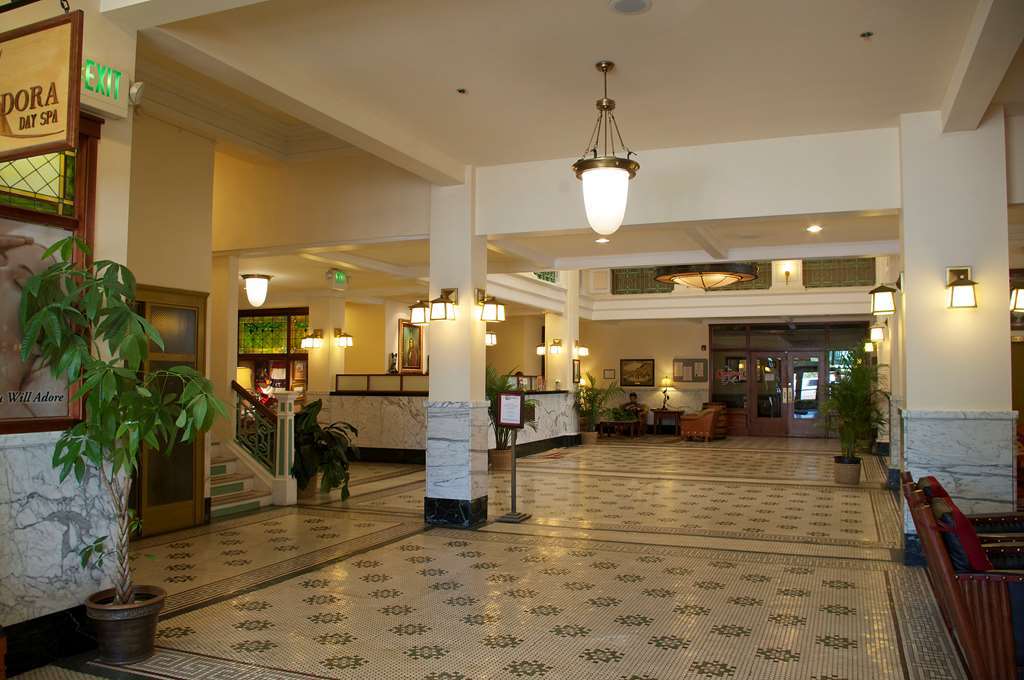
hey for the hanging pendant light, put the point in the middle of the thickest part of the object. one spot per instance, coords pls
(707, 276)
(256, 286)
(605, 175)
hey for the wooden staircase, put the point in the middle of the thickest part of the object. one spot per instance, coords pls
(233, 489)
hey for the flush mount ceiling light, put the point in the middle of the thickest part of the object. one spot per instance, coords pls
(256, 286)
(707, 276)
(602, 240)
(605, 175)
(630, 6)
(419, 313)
(814, 229)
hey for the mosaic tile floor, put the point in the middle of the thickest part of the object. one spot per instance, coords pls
(457, 605)
(363, 473)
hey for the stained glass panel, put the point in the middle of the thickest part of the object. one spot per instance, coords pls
(299, 330)
(263, 334)
(838, 272)
(638, 281)
(43, 183)
(550, 277)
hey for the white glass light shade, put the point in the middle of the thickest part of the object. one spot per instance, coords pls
(312, 341)
(582, 351)
(419, 313)
(490, 339)
(341, 339)
(441, 310)
(605, 192)
(491, 310)
(541, 350)
(556, 347)
(869, 346)
(256, 286)
(707, 281)
(1017, 300)
(960, 294)
(877, 333)
(883, 301)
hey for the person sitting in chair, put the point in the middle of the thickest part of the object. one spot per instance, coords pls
(633, 406)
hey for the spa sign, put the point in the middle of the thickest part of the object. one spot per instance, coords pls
(40, 84)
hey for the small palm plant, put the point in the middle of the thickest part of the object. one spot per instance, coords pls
(853, 402)
(79, 321)
(591, 400)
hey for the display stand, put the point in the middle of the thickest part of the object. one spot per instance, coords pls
(510, 415)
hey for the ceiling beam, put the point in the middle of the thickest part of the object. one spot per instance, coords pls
(709, 241)
(358, 262)
(517, 250)
(993, 39)
(135, 15)
(337, 113)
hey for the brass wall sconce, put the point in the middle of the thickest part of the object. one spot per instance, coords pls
(556, 347)
(490, 339)
(489, 309)
(442, 308)
(960, 292)
(419, 313)
(313, 341)
(342, 339)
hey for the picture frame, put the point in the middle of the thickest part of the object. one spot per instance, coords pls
(690, 370)
(608, 374)
(636, 372)
(410, 347)
(576, 371)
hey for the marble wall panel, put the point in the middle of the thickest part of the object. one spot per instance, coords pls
(556, 417)
(457, 449)
(393, 422)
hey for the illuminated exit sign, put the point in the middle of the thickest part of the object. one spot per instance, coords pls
(101, 79)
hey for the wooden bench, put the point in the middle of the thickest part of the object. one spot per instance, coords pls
(976, 606)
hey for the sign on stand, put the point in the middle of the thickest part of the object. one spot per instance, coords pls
(511, 415)
(40, 87)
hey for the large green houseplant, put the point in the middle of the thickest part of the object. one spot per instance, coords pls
(495, 383)
(590, 405)
(852, 407)
(78, 319)
(324, 450)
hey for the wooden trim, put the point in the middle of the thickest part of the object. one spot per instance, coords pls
(275, 311)
(402, 368)
(263, 409)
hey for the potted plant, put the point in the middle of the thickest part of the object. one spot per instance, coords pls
(322, 451)
(590, 401)
(78, 320)
(494, 384)
(853, 406)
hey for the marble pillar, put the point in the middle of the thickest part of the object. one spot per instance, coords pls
(456, 463)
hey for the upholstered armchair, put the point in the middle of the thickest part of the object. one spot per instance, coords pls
(699, 425)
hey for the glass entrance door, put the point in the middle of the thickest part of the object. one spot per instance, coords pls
(768, 394)
(807, 386)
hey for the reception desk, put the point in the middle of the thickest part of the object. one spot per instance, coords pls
(392, 421)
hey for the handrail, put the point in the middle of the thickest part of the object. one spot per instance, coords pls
(255, 427)
(262, 408)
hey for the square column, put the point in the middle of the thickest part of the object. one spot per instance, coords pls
(956, 417)
(457, 419)
(326, 312)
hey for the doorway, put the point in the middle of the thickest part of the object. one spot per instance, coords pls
(170, 488)
(786, 394)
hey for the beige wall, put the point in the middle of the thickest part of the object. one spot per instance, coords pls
(328, 198)
(171, 207)
(518, 337)
(365, 323)
(661, 340)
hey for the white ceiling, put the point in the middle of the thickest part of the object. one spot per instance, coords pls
(689, 71)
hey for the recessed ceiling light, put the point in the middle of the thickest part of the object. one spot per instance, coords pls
(814, 228)
(602, 240)
(630, 6)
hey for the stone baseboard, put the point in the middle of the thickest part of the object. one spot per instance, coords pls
(454, 512)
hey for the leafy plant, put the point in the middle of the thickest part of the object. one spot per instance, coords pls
(591, 400)
(853, 403)
(619, 414)
(322, 449)
(494, 384)
(79, 321)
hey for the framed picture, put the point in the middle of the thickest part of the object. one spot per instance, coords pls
(410, 347)
(576, 371)
(609, 374)
(636, 372)
(690, 370)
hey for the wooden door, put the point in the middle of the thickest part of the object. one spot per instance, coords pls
(767, 404)
(808, 380)
(171, 488)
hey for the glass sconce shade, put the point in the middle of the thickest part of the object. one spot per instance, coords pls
(442, 308)
(877, 333)
(490, 339)
(313, 341)
(869, 346)
(541, 350)
(582, 350)
(960, 290)
(491, 310)
(883, 301)
(1017, 300)
(256, 286)
(556, 347)
(342, 339)
(419, 313)
(605, 192)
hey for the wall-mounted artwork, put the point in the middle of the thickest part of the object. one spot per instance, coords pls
(636, 372)
(609, 374)
(410, 345)
(576, 371)
(690, 370)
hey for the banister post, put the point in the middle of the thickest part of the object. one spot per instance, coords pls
(284, 490)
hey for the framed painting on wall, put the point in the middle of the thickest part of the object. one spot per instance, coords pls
(410, 346)
(609, 374)
(636, 372)
(576, 371)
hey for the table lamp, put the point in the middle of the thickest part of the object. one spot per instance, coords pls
(666, 383)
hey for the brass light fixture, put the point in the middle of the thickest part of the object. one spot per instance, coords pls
(604, 173)
(256, 286)
(490, 339)
(541, 350)
(707, 276)
(1017, 299)
(489, 309)
(877, 333)
(419, 313)
(960, 289)
(883, 300)
(579, 350)
(313, 340)
(342, 339)
(556, 347)
(442, 308)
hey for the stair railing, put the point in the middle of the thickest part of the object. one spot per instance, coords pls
(268, 436)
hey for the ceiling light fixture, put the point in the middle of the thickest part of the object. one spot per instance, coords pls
(814, 229)
(419, 313)
(630, 6)
(604, 174)
(256, 286)
(602, 240)
(707, 276)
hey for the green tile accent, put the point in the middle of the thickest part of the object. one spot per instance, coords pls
(235, 509)
(218, 470)
(225, 489)
(839, 272)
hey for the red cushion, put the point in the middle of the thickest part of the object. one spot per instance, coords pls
(962, 540)
(932, 487)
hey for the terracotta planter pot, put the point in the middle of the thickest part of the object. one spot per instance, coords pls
(846, 472)
(500, 459)
(588, 438)
(125, 633)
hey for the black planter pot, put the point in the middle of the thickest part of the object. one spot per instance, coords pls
(125, 633)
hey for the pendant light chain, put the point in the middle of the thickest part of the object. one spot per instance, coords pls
(605, 137)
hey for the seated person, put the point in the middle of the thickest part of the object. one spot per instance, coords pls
(635, 407)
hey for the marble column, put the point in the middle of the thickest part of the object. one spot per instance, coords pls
(456, 493)
(956, 415)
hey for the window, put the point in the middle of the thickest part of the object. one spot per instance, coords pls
(839, 272)
(550, 277)
(638, 281)
(44, 184)
(263, 334)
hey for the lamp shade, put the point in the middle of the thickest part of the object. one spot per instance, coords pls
(583, 351)
(877, 333)
(342, 339)
(491, 310)
(666, 381)
(442, 308)
(960, 293)
(605, 192)
(1017, 300)
(556, 346)
(256, 287)
(312, 341)
(541, 350)
(419, 313)
(869, 346)
(490, 339)
(883, 301)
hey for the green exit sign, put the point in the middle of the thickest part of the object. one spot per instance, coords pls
(102, 79)
(340, 277)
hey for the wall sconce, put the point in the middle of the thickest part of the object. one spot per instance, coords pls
(342, 339)
(1017, 300)
(960, 288)
(877, 333)
(313, 341)
(787, 270)
(490, 339)
(556, 347)
(579, 350)
(541, 350)
(869, 346)
(883, 300)
(419, 313)
(256, 286)
(489, 309)
(442, 308)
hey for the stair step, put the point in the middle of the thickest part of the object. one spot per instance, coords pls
(222, 485)
(222, 465)
(241, 501)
